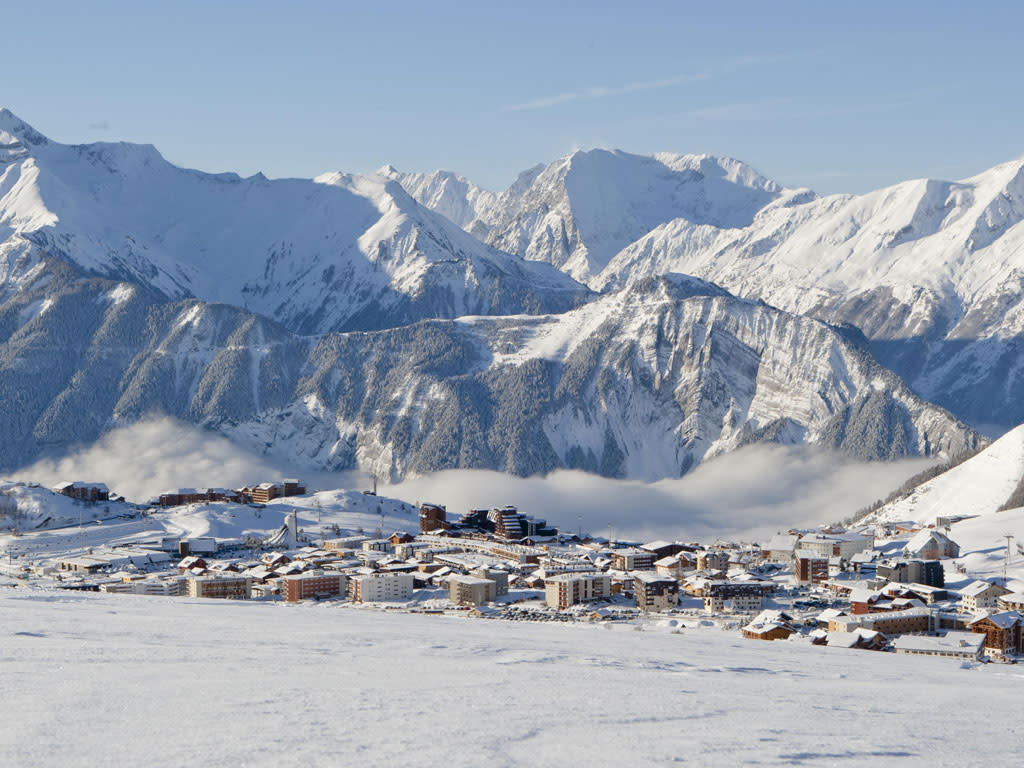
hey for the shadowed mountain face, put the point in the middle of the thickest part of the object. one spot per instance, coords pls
(643, 383)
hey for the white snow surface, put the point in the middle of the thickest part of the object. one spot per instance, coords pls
(580, 211)
(927, 240)
(94, 679)
(979, 486)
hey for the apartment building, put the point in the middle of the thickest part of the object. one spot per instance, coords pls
(313, 584)
(979, 596)
(811, 568)
(471, 590)
(567, 589)
(654, 592)
(220, 586)
(633, 559)
(381, 587)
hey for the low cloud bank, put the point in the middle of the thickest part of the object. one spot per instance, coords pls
(750, 493)
(150, 457)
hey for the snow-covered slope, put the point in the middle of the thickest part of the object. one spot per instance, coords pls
(260, 684)
(931, 271)
(338, 252)
(453, 196)
(979, 486)
(27, 506)
(643, 383)
(581, 210)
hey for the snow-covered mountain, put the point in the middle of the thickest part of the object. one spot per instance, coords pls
(581, 210)
(643, 383)
(453, 196)
(337, 252)
(344, 323)
(931, 271)
(978, 486)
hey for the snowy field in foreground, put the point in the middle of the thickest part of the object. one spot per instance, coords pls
(93, 679)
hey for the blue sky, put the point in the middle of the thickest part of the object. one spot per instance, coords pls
(812, 94)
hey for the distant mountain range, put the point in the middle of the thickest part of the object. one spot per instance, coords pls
(932, 272)
(622, 314)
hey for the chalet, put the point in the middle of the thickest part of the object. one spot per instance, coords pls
(904, 526)
(190, 562)
(290, 569)
(399, 537)
(931, 545)
(275, 559)
(1013, 601)
(865, 562)
(1004, 633)
(770, 625)
(979, 596)
(675, 565)
(864, 639)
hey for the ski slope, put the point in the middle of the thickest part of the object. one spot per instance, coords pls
(160, 681)
(979, 486)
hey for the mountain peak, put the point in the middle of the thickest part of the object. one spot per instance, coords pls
(14, 130)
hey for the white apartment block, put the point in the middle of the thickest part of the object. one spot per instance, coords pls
(844, 545)
(382, 587)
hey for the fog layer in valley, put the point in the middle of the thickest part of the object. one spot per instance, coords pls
(750, 493)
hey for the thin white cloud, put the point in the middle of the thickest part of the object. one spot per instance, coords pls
(600, 92)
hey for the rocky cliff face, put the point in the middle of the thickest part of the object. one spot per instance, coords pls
(644, 383)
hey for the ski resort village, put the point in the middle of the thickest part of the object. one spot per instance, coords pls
(932, 572)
